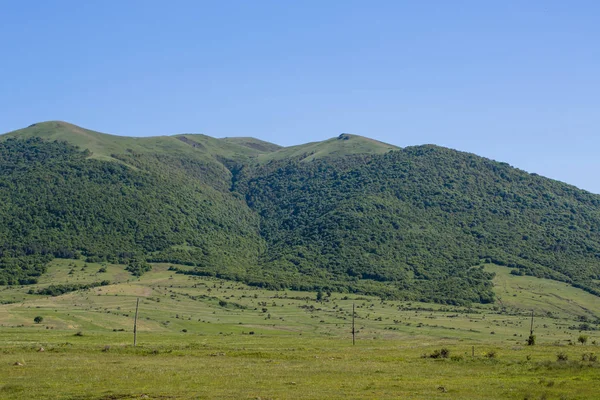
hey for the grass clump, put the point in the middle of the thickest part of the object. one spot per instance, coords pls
(591, 357)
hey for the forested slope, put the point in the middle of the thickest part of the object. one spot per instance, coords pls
(347, 214)
(56, 202)
(421, 217)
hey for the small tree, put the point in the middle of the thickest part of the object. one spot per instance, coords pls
(531, 340)
(319, 295)
(38, 319)
(582, 339)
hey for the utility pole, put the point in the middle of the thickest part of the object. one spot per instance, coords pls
(531, 330)
(531, 339)
(353, 330)
(137, 304)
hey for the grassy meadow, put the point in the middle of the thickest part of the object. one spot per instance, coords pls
(204, 338)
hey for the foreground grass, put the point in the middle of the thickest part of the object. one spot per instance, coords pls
(207, 338)
(279, 367)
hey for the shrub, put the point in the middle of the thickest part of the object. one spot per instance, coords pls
(57, 290)
(38, 319)
(491, 354)
(582, 339)
(531, 340)
(443, 353)
(562, 357)
(589, 357)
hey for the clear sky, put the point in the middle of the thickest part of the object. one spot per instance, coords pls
(516, 81)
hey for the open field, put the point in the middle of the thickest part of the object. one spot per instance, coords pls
(208, 338)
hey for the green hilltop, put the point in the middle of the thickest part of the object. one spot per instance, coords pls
(348, 214)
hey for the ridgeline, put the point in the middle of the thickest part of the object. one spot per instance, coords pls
(347, 214)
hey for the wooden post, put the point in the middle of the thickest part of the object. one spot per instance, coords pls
(473, 352)
(531, 330)
(353, 330)
(137, 304)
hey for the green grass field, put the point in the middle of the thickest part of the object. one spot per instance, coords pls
(208, 338)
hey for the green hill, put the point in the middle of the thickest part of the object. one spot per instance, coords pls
(347, 214)
(59, 202)
(343, 145)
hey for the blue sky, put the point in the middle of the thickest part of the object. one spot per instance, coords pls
(516, 81)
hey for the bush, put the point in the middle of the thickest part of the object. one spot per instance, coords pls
(443, 353)
(491, 354)
(562, 357)
(57, 290)
(589, 357)
(582, 339)
(38, 319)
(531, 340)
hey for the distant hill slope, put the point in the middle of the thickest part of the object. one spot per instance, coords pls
(256, 144)
(103, 145)
(345, 214)
(343, 145)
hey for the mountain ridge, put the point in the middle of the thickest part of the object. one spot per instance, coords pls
(103, 144)
(346, 214)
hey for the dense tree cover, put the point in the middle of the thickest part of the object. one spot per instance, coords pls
(421, 218)
(55, 202)
(414, 223)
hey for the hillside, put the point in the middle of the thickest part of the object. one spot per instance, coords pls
(57, 202)
(341, 146)
(347, 214)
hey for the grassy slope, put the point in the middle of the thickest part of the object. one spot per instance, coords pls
(240, 149)
(525, 293)
(301, 348)
(176, 298)
(103, 145)
(340, 146)
(256, 144)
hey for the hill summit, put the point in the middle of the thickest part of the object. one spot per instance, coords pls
(347, 214)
